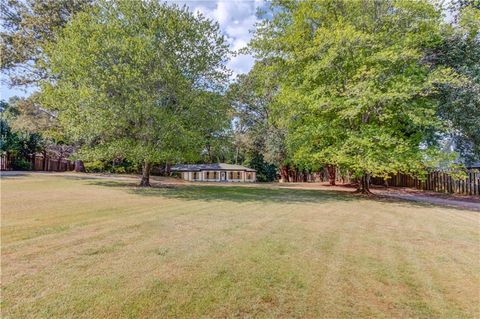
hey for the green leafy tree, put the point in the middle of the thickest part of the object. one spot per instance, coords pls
(460, 104)
(26, 26)
(358, 90)
(130, 79)
(257, 137)
(17, 144)
(215, 128)
(27, 115)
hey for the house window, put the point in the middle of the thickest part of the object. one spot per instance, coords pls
(194, 175)
(230, 175)
(238, 175)
(215, 175)
(249, 175)
(208, 175)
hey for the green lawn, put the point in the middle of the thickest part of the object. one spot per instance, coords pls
(90, 248)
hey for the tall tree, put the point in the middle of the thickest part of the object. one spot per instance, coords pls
(26, 26)
(29, 116)
(359, 92)
(215, 128)
(460, 104)
(18, 143)
(130, 79)
(256, 133)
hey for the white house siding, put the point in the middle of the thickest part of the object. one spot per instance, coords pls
(211, 177)
(202, 176)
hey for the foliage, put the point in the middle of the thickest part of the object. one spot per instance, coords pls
(135, 80)
(266, 172)
(119, 170)
(27, 115)
(257, 134)
(94, 166)
(26, 26)
(17, 143)
(460, 104)
(356, 87)
(21, 164)
(116, 166)
(215, 112)
(28, 129)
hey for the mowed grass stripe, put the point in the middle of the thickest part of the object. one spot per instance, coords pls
(99, 232)
(232, 252)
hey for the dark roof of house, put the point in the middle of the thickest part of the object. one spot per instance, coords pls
(474, 165)
(212, 167)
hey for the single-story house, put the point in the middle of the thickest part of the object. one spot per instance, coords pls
(474, 166)
(220, 172)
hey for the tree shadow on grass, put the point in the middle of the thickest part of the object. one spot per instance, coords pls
(248, 193)
(99, 177)
(232, 193)
(15, 175)
(412, 203)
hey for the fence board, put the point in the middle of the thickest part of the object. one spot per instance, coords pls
(39, 163)
(436, 181)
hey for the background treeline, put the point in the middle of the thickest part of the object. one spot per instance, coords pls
(361, 88)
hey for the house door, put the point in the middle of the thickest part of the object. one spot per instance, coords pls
(223, 176)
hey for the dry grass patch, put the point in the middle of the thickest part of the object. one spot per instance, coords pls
(88, 248)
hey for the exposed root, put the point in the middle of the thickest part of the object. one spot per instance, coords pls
(365, 192)
(145, 183)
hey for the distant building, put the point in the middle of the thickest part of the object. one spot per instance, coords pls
(474, 166)
(215, 172)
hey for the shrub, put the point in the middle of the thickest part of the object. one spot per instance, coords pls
(21, 164)
(119, 170)
(94, 167)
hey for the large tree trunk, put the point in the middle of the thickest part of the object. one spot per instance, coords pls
(332, 174)
(44, 164)
(79, 167)
(291, 175)
(364, 185)
(59, 163)
(236, 155)
(209, 153)
(284, 173)
(32, 162)
(166, 171)
(145, 182)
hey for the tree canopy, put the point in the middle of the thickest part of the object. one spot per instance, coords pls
(136, 80)
(26, 27)
(357, 84)
(370, 87)
(460, 104)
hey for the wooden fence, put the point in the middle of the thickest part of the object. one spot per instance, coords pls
(39, 163)
(434, 181)
(5, 163)
(437, 182)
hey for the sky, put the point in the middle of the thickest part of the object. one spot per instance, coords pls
(236, 19)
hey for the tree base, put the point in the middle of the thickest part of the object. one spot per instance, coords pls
(364, 192)
(144, 183)
(364, 186)
(79, 166)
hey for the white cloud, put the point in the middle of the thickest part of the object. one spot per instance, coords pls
(236, 19)
(240, 64)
